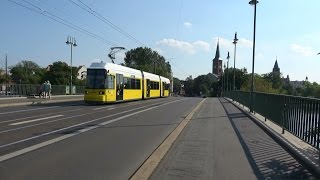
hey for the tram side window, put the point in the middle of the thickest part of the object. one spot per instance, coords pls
(110, 82)
(133, 83)
(154, 85)
(126, 82)
(138, 84)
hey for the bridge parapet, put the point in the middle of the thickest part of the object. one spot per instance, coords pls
(298, 115)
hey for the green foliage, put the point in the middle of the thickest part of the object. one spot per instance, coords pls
(188, 86)
(204, 85)
(260, 85)
(275, 79)
(145, 59)
(287, 89)
(79, 82)
(176, 86)
(240, 78)
(26, 72)
(59, 73)
(308, 90)
(2, 76)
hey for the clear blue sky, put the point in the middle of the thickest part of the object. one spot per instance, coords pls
(288, 29)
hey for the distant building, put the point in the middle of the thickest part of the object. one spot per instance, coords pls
(297, 84)
(49, 67)
(294, 84)
(217, 63)
(82, 72)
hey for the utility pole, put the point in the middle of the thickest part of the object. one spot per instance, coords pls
(72, 42)
(235, 40)
(228, 57)
(6, 74)
(254, 3)
(171, 84)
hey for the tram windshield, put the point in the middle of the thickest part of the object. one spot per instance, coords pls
(96, 79)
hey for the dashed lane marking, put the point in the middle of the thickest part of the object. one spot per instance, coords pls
(37, 146)
(34, 120)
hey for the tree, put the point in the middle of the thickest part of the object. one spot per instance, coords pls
(287, 87)
(260, 85)
(176, 86)
(26, 72)
(204, 85)
(309, 89)
(188, 86)
(240, 78)
(59, 73)
(146, 59)
(274, 78)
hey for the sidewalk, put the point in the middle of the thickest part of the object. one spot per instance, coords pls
(221, 142)
(19, 101)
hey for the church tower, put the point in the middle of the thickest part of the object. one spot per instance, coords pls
(217, 62)
(276, 68)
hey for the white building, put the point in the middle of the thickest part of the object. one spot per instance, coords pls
(82, 72)
(297, 84)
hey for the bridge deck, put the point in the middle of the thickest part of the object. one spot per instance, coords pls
(221, 142)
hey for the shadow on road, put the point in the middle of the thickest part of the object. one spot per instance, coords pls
(267, 158)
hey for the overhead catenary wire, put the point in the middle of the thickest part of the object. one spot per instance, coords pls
(90, 10)
(62, 21)
(179, 17)
(176, 37)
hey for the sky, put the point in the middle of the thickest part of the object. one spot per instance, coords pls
(185, 32)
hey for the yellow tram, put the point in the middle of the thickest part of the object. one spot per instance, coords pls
(108, 82)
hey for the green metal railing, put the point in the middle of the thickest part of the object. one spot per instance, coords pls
(298, 115)
(34, 89)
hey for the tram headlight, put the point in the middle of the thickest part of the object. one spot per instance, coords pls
(86, 92)
(101, 92)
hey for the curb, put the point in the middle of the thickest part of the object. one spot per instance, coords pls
(151, 163)
(300, 156)
(33, 102)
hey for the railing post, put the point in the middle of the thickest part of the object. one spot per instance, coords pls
(283, 117)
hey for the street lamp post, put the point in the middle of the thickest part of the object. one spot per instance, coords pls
(235, 40)
(7, 75)
(228, 57)
(254, 3)
(72, 42)
(224, 77)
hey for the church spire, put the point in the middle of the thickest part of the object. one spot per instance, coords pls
(217, 62)
(217, 52)
(276, 68)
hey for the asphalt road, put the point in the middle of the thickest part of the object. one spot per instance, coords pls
(78, 141)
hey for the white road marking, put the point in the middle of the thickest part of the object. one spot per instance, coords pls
(1, 122)
(103, 107)
(37, 146)
(34, 120)
(24, 110)
(110, 109)
(15, 129)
